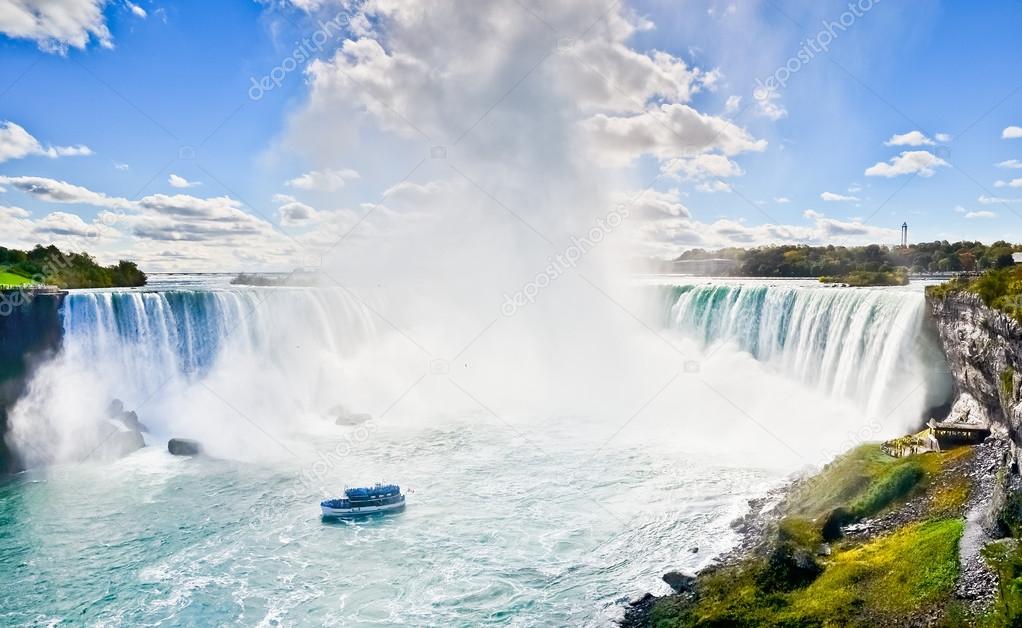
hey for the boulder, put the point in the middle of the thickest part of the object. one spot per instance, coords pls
(788, 567)
(343, 417)
(184, 447)
(130, 420)
(116, 408)
(679, 581)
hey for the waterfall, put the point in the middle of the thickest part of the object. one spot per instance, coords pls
(234, 366)
(868, 345)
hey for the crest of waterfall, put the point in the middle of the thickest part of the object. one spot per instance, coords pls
(868, 345)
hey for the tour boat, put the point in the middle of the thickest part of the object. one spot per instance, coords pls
(364, 501)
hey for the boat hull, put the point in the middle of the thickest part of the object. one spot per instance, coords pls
(356, 511)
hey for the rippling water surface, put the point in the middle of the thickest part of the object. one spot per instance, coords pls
(497, 532)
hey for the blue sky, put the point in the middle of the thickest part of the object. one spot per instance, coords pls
(157, 89)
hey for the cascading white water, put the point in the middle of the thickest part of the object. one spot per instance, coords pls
(244, 369)
(181, 357)
(866, 345)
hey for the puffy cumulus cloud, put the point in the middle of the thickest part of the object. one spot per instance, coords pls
(1010, 163)
(701, 166)
(11, 212)
(919, 162)
(293, 213)
(615, 77)
(666, 132)
(1011, 133)
(177, 181)
(325, 180)
(70, 225)
(980, 214)
(56, 25)
(912, 138)
(832, 197)
(16, 142)
(655, 204)
(782, 199)
(502, 69)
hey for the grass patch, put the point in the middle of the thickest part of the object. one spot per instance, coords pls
(864, 481)
(891, 576)
(950, 498)
(1005, 557)
(11, 279)
(881, 582)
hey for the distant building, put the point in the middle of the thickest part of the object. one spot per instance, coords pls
(1017, 258)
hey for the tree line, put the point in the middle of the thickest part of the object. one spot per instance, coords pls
(50, 265)
(814, 261)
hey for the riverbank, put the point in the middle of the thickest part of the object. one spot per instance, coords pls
(869, 540)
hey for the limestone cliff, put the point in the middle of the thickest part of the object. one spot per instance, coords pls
(984, 352)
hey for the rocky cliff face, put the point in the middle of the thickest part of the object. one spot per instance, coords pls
(984, 353)
(30, 333)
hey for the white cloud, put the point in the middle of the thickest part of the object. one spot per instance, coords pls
(782, 199)
(55, 191)
(181, 182)
(9, 211)
(136, 10)
(992, 200)
(1010, 163)
(55, 25)
(122, 167)
(768, 104)
(920, 162)
(655, 204)
(980, 214)
(293, 213)
(1011, 133)
(701, 166)
(667, 236)
(713, 186)
(943, 138)
(323, 180)
(912, 138)
(16, 142)
(1000, 184)
(831, 197)
(666, 132)
(732, 104)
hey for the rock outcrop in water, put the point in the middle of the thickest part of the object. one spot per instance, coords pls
(184, 447)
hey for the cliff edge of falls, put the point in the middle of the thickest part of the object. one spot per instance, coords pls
(927, 539)
(983, 348)
(30, 333)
